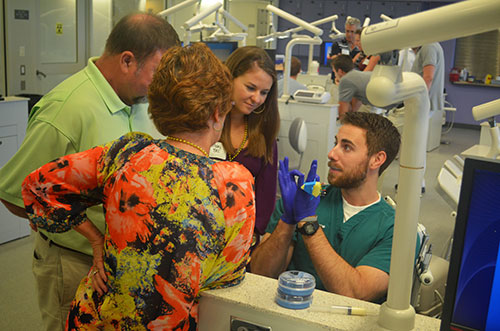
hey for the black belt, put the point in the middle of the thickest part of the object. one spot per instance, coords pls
(51, 242)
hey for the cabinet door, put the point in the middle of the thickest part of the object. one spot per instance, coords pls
(62, 48)
(11, 226)
(8, 147)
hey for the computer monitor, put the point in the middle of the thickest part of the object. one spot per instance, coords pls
(326, 47)
(222, 49)
(472, 298)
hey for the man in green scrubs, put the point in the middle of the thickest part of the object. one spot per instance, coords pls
(345, 241)
(98, 104)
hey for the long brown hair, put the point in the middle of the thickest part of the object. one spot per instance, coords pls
(263, 127)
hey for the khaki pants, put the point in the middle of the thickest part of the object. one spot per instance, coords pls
(58, 273)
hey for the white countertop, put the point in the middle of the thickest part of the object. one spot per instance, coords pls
(256, 294)
(10, 99)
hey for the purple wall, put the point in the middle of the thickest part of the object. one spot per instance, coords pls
(464, 97)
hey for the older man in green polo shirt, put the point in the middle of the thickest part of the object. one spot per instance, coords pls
(98, 104)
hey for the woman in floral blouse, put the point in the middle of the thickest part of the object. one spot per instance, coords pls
(177, 223)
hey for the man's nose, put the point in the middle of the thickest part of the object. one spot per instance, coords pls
(332, 155)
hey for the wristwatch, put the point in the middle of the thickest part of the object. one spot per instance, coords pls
(309, 226)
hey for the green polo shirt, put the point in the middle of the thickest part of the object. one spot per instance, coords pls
(365, 239)
(81, 112)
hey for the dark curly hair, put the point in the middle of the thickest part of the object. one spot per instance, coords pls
(381, 134)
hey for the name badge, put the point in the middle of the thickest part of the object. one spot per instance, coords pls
(217, 152)
(345, 51)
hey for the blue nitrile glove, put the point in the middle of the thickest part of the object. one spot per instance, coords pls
(288, 189)
(305, 204)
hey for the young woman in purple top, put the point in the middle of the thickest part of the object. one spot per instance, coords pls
(251, 128)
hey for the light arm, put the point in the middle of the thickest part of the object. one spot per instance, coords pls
(385, 18)
(289, 17)
(461, 19)
(486, 110)
(233, 19)
(176, 8)
(363, 282)
(196, 19)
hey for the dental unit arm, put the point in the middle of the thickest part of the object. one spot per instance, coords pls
(223, 34)
(366, 22)
(304, 40)
(169, 11)
(292, 32)
(335, 34)
(189, 25)
(488, 111)
(388, 85)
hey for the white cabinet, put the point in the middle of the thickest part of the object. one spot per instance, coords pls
(13, 122)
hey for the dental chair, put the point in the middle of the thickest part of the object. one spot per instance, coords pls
(429, 275)
(429, 279)
(297, 135)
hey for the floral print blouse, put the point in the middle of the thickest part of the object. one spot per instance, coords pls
(176, 224)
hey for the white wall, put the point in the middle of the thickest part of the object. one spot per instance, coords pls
(246, 11)
(101, 24)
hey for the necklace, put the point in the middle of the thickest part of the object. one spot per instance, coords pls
(245, 137)
(188, 143)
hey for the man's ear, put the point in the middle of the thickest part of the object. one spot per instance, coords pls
(127, 61)
(377, 159)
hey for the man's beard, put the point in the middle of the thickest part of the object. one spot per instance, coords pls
(351, 178)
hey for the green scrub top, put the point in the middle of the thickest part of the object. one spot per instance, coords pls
(365, 239)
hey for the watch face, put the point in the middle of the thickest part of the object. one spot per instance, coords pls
(309, 229)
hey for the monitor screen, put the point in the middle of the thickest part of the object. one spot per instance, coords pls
(271, 53)
(326, 47)
(472, 299)
(222, 49)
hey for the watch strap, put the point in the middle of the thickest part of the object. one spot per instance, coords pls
(308, 228)
(310, 218)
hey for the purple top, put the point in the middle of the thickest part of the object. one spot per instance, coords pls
(266, 176)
